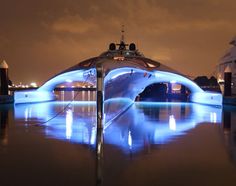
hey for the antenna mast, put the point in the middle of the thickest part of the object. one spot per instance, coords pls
(122, 34)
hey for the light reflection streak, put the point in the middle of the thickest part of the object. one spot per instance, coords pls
(119, 74)
(93, 136)
(26, 114)
(213, 117)
(130, 139)
(69, 121)
(172, 123)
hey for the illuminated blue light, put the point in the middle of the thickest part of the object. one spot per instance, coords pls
(147, 103)
(119, 74)
(172, 123)
(45, 92)
(93, 136)
(208, 98)
(113, 74)
(162, 76)
(77, 75)
(130, 139)
(213, 117)
(69, 81)
(69, 121)
(198, 95)
(75, 127)
(137, 82)
(39, 112)
(33, 96)
(204, 113)
(26, 114)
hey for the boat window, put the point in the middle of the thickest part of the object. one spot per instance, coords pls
(151, 65)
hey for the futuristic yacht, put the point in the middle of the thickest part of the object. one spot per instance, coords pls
(126, 73)
(228, 63)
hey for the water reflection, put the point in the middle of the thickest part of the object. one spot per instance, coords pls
(229, 131)
(158, 130)
(69, 121)
(172, 123)
(4, 125)
(99, 157)
(76, 95)
(159, 123)
(143, 123)
(75, 122)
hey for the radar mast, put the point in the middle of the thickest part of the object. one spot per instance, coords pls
(122, 45)
(122, 34)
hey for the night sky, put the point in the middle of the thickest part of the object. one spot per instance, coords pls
(41, 38)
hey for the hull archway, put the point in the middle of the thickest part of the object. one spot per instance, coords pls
(126, 74)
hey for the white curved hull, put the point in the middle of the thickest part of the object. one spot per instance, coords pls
(126, 74)
(228, 61)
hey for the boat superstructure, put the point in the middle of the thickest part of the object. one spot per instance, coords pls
(228, 64)
(126, 74)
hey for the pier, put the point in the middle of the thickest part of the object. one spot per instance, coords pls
(5, 98)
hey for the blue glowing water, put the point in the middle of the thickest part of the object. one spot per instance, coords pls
(143, 123)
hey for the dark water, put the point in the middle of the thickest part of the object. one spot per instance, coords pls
(54, 143)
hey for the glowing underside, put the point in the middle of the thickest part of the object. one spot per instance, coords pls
(126, 82)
